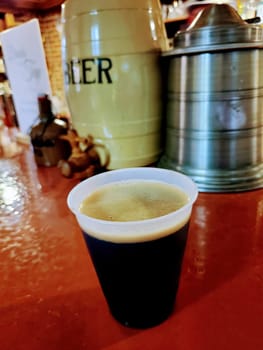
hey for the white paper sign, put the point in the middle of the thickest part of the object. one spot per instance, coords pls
(26, 68)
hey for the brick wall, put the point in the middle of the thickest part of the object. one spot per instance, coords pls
(49, 25)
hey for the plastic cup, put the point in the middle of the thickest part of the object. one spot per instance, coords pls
(138, 263)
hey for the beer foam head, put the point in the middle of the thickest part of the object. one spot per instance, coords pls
(133, 231)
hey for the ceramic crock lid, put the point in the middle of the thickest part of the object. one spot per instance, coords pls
(77, 7)
(217, 27)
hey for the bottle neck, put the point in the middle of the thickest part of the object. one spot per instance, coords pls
(45, 110)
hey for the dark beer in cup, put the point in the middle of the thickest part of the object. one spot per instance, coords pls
(136, 232)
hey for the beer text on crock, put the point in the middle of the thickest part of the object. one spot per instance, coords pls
(88, 71)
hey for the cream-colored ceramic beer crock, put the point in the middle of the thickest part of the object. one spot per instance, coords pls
(111, 53)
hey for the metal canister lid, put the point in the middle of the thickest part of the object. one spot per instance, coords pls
(217, 27)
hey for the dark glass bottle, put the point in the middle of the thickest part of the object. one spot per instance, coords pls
(48, 147)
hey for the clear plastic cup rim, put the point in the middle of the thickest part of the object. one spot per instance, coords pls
(133, 231)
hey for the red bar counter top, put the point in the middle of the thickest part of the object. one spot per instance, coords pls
(50, 297)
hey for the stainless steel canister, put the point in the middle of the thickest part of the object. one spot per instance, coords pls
(214, 102)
